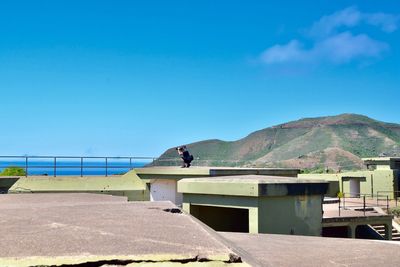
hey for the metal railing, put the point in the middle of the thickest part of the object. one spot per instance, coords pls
(58, 163)
(389, 194)
(361, 201)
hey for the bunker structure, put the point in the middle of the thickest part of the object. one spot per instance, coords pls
(141, 184)
(256, 204)
(247, 200)
(381, 179)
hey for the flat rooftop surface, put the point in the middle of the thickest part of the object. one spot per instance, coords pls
(251, 185)
(54, 229)
(290, 250)
(211, 171)
(331, 214)
(254, 179)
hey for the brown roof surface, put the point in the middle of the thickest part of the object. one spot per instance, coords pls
(289, 250)
(76, 228)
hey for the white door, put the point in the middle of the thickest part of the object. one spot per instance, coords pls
(163, 190)
(354, 187)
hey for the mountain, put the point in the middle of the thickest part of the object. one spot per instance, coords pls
(334, 142)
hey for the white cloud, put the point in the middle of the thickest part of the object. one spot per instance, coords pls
(292, 51)
(337, 49)
(345, 47)
(387, 22)
(330, 43)
(348, 17)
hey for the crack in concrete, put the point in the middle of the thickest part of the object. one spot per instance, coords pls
(115, 262)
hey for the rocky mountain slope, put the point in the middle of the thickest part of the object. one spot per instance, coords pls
(335, 142)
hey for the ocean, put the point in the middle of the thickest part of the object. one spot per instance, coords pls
(72, 167)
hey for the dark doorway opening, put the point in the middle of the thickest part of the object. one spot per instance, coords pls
(222, 219)
(337, 231)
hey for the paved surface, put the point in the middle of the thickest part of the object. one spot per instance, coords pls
(77, 228)
(332, 211)
(287, 250)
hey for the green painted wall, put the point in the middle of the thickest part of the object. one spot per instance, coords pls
(300, 215)
(129, 185)
(371, 182)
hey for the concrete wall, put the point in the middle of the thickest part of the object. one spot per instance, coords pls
(129, 185)
(371, 182)
(332, 179)
(300, 215)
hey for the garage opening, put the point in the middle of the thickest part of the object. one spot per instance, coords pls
(222, 219)
(335, 231)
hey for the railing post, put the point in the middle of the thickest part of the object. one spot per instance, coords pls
(130, 163)
(106, 167)
(364, 204)
(339, 206)
(387, 203)
(26, 166)
(81, 166)
(344, 201)
(55, 166)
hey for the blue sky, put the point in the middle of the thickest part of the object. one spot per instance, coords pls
(135, 78)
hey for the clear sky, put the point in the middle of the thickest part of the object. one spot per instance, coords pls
(137, 77)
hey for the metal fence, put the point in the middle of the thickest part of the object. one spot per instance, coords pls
(363, 202)
(56, 165)
(392, 195)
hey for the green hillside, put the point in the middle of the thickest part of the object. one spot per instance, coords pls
(335, 142)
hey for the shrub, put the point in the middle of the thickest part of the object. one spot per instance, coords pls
(395, 211)
(13, 171)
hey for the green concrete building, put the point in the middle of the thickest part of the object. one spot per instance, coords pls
(381, 178)
(162, 181)
(256, 204)
(141, 184)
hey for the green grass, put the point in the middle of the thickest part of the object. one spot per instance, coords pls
(13, 171)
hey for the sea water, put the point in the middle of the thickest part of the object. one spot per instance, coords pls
(70, 167)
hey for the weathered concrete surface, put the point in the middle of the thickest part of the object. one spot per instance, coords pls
(129, 185)
(252, 185)
(179, 173)
(23, 201)
(54, 229)
(288, 250)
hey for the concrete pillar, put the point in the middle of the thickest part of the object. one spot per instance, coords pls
(186, 207)
(351, 231)
(388, 231)
(253, 220)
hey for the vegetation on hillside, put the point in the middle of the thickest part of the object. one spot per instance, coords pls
(336, 142)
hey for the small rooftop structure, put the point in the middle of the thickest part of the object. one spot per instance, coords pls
(256, 203)
(162, 181)
(382, 163)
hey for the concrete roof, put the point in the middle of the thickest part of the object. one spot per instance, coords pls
(55, 229)
(290, 250)
(129, 181)
(178, 173)
(252, 185)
